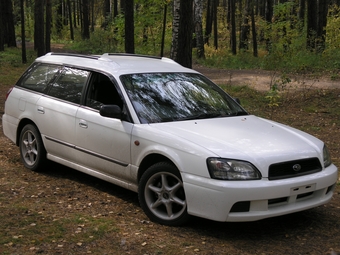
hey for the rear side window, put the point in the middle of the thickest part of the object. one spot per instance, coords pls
(38, 77)
(69, 85)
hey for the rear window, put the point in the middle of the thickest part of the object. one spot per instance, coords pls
(38, 76)
(69, 85)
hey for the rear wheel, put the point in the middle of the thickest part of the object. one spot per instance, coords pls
(161, 195)
(32, 150)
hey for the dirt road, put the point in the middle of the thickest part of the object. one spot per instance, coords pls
(262, 80)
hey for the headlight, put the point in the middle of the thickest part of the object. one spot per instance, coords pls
(229, 169)
(326, 157)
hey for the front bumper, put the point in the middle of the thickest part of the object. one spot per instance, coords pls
(255, 200)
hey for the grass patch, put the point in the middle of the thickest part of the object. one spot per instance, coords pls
(11, 66)
(299, 61)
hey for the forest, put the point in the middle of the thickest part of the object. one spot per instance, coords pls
(288, 35)
(62, 211)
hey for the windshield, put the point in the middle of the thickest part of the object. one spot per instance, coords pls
(162, 97)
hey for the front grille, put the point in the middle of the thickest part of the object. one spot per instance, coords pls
(294, 168)
(277, 200)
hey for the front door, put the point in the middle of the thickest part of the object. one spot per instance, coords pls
(103, 144)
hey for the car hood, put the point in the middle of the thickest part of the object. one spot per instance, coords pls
(250, 138)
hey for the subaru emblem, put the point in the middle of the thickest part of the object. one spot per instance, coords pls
(297, 167)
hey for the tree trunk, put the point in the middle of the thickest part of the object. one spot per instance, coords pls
(129, 27)
(85, 31)
(175, 29)
(2, 25)
(198, 13)
(115, 14)
(269, 10)
(74, 4)
(106, 14)
(184, 50)
(302, 11)
(59, 18)
(23, 37)
(215, 4)
(115, 8)
(253, 30)
(261, 8)
(70, 19)
(80, 13)
(208, 22)
(48, 26)
(233, 26)
(164, 28)
(245, 28)
(9, 35)
(311, 23)
(92, 15)
(39, 39)
(269, 17)
(322, 23)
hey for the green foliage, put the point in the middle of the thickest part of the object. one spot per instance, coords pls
(332, 29)
(148, 31)
(283, 39)
(281, 46)
(277, 89)
(100, 41)
(223, 58)
(273, 97)
(281, 43)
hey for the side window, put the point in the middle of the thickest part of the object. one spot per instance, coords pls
(69, 85)
(102, 92)
(38, 77)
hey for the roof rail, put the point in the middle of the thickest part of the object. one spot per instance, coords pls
(74, 55)
(131, 55)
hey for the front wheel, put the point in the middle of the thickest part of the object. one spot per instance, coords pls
(161, 195)
(32, 150)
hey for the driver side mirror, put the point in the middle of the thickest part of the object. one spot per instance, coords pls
(111, 111)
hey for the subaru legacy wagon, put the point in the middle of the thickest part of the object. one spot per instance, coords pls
(168, 133)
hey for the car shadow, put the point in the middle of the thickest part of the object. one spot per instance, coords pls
(56, 170)
(287, 229)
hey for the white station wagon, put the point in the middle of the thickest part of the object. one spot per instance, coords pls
(167, 132)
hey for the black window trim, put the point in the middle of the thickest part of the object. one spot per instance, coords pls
(115, 83)
(31, 69)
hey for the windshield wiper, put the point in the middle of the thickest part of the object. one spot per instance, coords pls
(203, 116)
(239, 113)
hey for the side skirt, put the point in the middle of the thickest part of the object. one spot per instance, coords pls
(92, 172)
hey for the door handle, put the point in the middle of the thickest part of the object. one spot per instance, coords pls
(82, 124)
(41, 109)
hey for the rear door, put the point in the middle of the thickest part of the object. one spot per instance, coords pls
(57, 111)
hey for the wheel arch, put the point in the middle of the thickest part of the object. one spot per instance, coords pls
(23, 122)
(150, 160)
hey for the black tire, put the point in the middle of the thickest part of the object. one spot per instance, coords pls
(161, 195)
(32, 150)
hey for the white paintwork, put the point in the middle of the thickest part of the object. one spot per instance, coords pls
(246, 138)
(187, 144)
